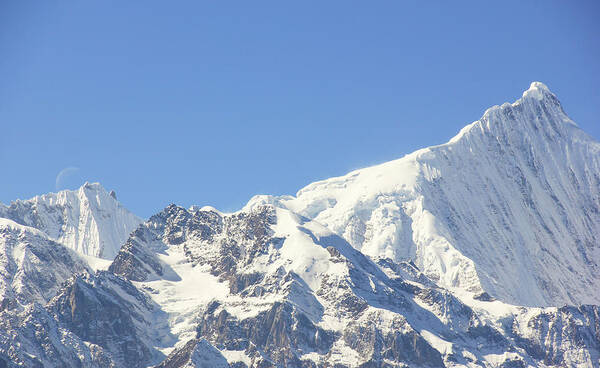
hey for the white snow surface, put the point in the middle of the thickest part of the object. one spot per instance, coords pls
(181, 294)
(88, 220)
(511, 206)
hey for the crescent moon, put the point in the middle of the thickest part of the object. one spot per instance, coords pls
(63, 174)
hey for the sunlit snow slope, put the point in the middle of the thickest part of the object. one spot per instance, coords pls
(511, 206)
(88, 220)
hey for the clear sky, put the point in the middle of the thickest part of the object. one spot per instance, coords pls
(211, 102)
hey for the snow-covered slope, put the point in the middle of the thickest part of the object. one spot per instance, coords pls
(32, 267)
(511, 205)
(89, 220)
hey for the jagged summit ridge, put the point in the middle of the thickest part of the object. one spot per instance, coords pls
(537, 100)
(88, 220)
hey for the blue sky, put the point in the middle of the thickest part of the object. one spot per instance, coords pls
(209, 103)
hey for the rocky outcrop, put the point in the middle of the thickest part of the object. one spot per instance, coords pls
(137, 259)
(34, 338)
(283, 333)
(110, 312)
(560, 337)
(196, 353)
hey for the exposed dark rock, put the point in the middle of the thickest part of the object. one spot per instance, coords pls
(195, 353)
(283, 333)
(34, 338)
(552, 334)
(400, 343)
(137, 260)
(93, 309)
(484, 297)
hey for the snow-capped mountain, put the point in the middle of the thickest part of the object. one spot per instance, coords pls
(267, 287)
(510, 206)
(89, 220)
(458, 255)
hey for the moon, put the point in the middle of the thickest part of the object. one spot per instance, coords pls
(63, 175)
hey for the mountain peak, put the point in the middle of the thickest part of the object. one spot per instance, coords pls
(88, 220)
(537, 112)
(92, 186)
(512, 191)
(537, 90)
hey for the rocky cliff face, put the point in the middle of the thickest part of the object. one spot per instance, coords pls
(34, 338)
(109, 312)
(406, 264)
(196, 353)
